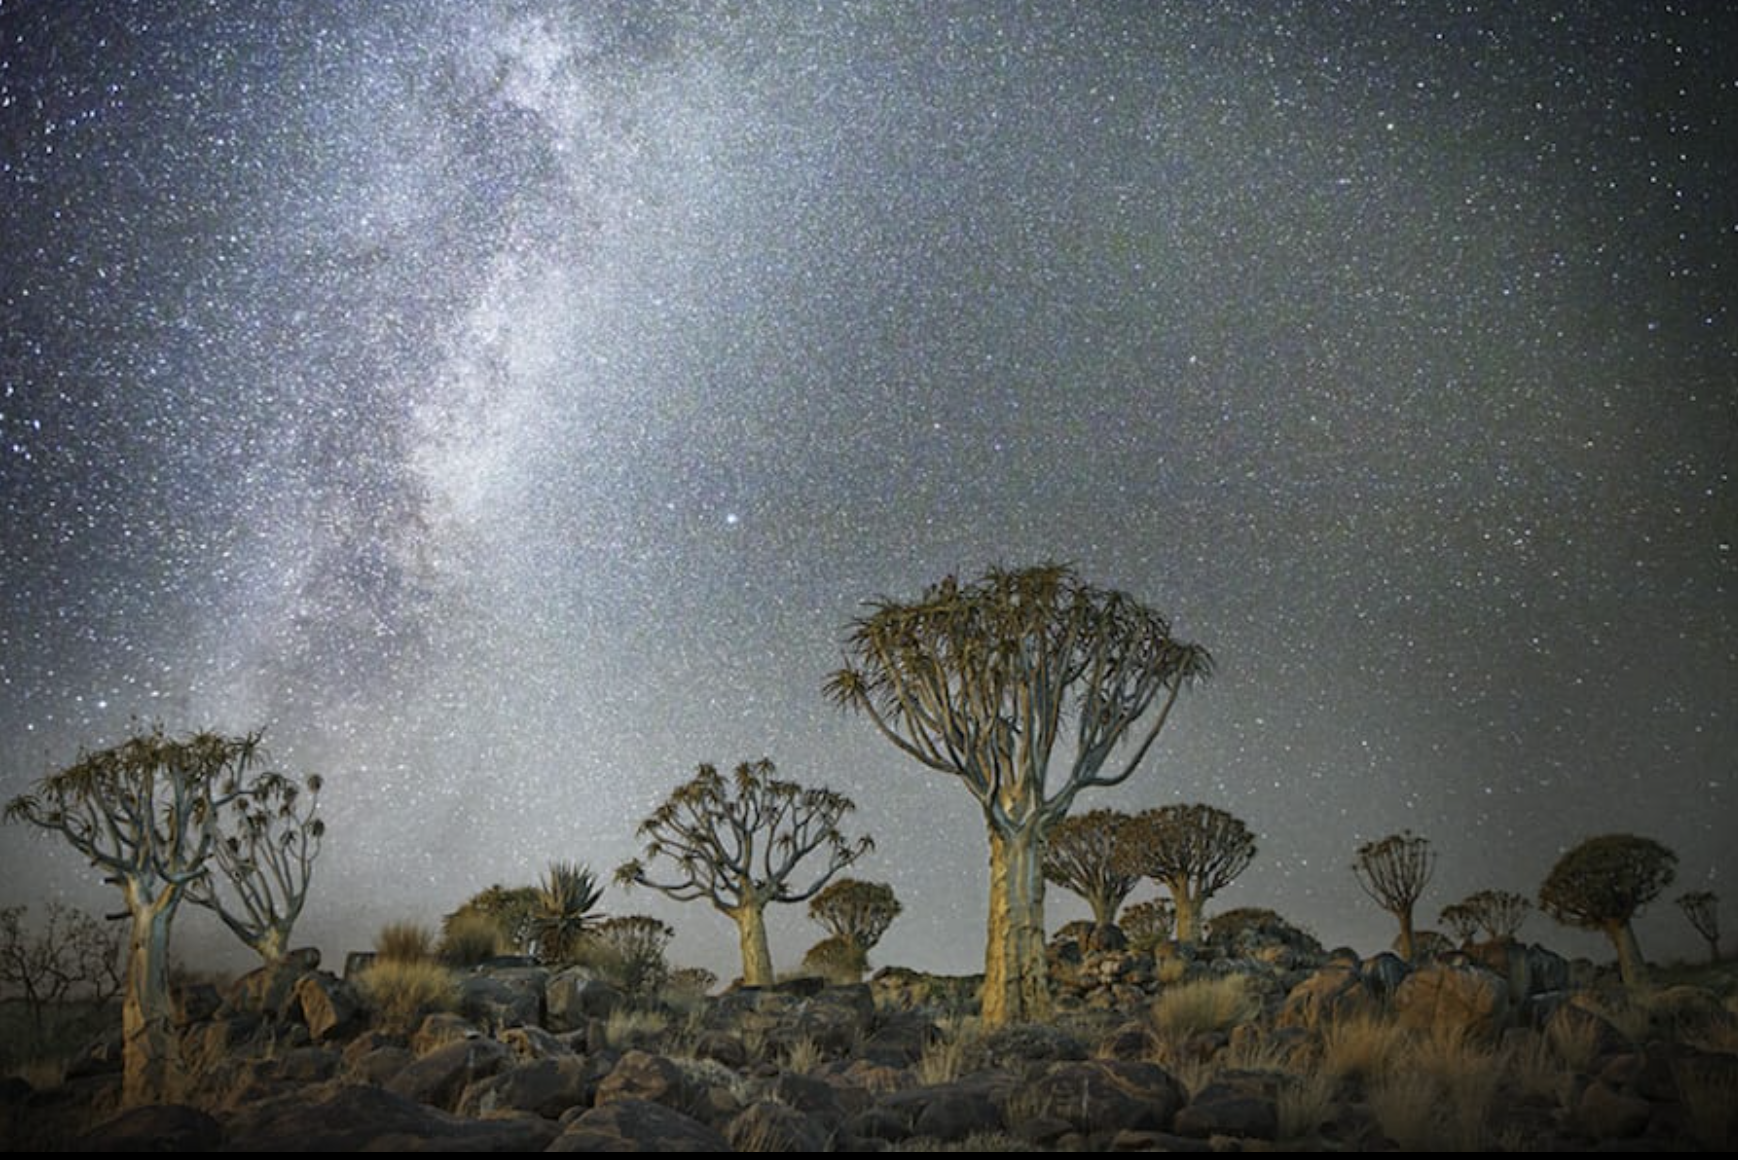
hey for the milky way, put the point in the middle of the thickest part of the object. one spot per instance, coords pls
(506, 406)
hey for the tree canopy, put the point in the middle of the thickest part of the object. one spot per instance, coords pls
(1194, 850)
(1603, 883)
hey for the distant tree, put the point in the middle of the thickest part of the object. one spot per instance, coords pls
(1462, 920)
(1500, 913)
(856, 912)
(1602, 884)
(563, 914)
(1702, 908)
(70, 955)
(1149, 922)
(1394, 872)
(979, 682)
(836, 959)
(140, 811)
(512, 910)
(1080, 857)
(738, 843)
(1193, 851)
(268, 836)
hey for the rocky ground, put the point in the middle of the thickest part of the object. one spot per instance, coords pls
(1273, 1044)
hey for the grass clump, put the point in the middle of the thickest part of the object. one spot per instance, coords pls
(404, 942)
(1215, 1004)
(399, 993)
(471, 937)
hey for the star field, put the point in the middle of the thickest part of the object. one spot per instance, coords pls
(507, 405)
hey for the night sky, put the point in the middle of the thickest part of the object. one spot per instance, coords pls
(507, 406)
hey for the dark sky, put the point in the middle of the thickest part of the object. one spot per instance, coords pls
(506, 406)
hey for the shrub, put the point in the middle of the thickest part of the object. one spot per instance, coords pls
(400, 992)
(629, 952)
(1148, 923)
(836, 959)
(471, 937)
(1214, 1004)
(404, 942)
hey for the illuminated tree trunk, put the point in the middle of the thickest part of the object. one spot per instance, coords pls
(1188, 908)
(756, 955)
(1016, 974)
(151, 1054)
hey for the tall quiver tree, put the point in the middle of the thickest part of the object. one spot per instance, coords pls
(980, 682)
(737, 843)
(1394, 872)
(268, 837)
(1602, 884)
(142, 813)
(1080, 857)
(1194, 851)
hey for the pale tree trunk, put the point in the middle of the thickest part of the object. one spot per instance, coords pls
(1016, 974)
(1630, 965)
(151, 1055)
(1404, 946)
(1187, 927)
(756, 955)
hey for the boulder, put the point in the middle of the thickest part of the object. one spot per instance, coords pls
(573, 997)
(339, 1117)
(1099, 1096)
(634, 1125)
(441, 1076)
(327, 1005)
(544, 1087)
(1235, 1106)
(1333, 992)
(1445, 999)
(1022, 1044)
(647, 1078)
(154, 1128)
(770, 1126)
(497, 999)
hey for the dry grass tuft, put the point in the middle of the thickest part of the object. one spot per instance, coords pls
(404, 942)
(399, 993)
(1216, 1004)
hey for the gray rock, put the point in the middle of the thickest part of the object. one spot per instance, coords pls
(498, 999)
(572, 997)
(1103, 1095)
(640, 1075)
(341, 1117)
(545, 1087)
(1229, 1109)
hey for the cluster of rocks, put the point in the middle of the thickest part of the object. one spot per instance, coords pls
(532, 1060)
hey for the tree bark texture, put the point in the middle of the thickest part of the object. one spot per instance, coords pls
(151, 1053)
(750, 920)
(1016, 973)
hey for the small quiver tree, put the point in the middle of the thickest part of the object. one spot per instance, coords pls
(737, 843)
(1194, 851)
(980, 682)
(141, 811)
(1602, 884)
(1394, 872)
(1149, 923)
(268, 836)
(1080, 856)
(1702, 908)
(855, 914)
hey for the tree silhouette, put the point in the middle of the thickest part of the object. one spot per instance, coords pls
(562, 913)
(1702, 908)
(1080, 857)
(141, 812)
(1602, 884)
(1394, 872)
(1194, 851)
(737, 844)
(980, 682)
(71, 954)
(268, 837)
(1149, 922)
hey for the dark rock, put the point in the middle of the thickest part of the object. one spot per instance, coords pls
(155, 1128)
(1603, 1113)
(633, 1125)
(1334, 992)
(441, 1076)
(361, 1118)
(770, 1126)
(1021, 1044)
(1229, 1109)
(498, 999)
(535, 1043)
(1098, 1096)
(328, 1006)
(545, 1087)
(573, 997)
(1383, 973)
(440, 1029)
(642, 1076)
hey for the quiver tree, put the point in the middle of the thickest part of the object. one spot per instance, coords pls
(1080, 857)
(1193, 851)
(855, 914)
(1702, 908)
(268, 836)
(1394, 872)
(1602, 884)
(142, 812)
(1149, 922)
(980, 682)
(561, 912)
(737, 843)
(1497, 913)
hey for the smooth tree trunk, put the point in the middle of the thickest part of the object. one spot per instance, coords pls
(1187, 925)
(1404, 945)
(1016, 973)
(151, 1054)
(750, 920)
(1630, 965)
